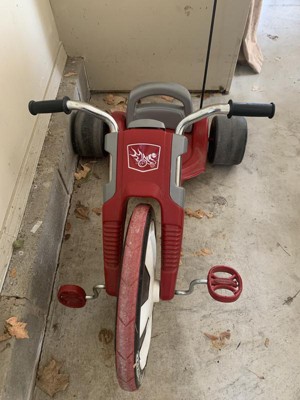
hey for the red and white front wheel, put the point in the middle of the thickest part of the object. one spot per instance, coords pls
(137, 293)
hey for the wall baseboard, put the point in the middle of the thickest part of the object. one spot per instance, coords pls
(17, 206)
(28, 284)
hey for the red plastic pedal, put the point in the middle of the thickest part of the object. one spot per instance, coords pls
(233, 283)
(72, 296)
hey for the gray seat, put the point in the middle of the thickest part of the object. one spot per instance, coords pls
(169, 114)
(146, 123)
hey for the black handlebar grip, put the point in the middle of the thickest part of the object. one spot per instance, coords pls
(251, 109)
(49, 106)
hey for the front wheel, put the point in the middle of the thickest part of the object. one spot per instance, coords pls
(137, 293)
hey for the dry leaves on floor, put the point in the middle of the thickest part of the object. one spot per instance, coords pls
(198, 213)
(13, 273)
(81, 211)
(16, 328)
(203, 252)
(119, 107)
(181, 255)
(218, 341)
(50, 380)
(68, 74)
(106, 336)
(82, 172)
(68, 226)
(113, 100)
(67, 233)
(97, 211)
(169, 99)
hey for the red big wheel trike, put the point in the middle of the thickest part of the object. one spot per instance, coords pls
(153, 148)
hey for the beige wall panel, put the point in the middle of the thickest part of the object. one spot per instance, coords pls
(133, 41)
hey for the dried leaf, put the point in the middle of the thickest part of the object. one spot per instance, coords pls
(119, 107)
(211, 337)
(68, 74)
(97, 210)
(109, 99)
(113, 100)
(68, 226)
(67, 237)
(16, 329)
(81, 211)
(225, 335)
(82, 172)
(106, 336)
(203, 252)
(198, 213)
(13, 272)
(50, 380)
(219, 341)
(167, 98)
(5, 336)
(267, 342)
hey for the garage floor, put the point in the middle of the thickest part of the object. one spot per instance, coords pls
(255, 228)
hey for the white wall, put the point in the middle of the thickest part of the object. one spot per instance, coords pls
(32, 60)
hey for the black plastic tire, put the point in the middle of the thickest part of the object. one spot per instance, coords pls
(227, 140)
(88, 134)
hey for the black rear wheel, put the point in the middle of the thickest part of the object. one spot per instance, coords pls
(88, 134)
(227, 140)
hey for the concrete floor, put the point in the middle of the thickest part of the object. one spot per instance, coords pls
(255, 229)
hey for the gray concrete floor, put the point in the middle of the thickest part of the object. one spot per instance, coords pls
(256, 230)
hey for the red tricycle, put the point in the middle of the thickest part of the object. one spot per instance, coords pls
(153, 149)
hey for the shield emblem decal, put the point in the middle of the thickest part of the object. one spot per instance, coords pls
(143, 157)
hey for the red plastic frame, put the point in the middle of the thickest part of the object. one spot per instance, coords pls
(154, 184)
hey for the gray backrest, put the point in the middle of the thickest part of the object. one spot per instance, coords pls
(169, 114)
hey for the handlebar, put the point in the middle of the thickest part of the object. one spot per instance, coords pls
(251, 109)
(49, 106)
(238, 109)
(230, 109)
(67, 106)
